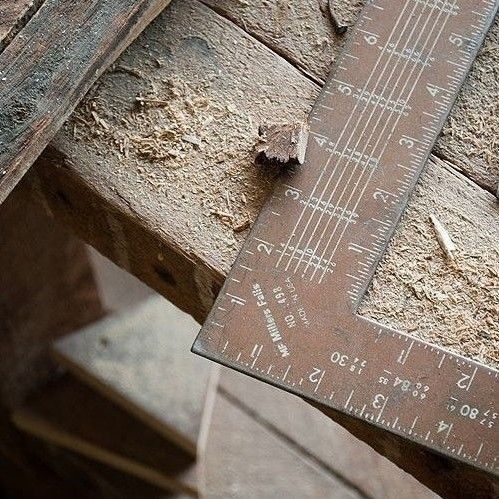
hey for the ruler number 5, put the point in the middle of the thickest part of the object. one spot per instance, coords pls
(456, 40)
(345, 89)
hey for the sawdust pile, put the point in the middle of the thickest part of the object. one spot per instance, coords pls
(172, 127)
(166, 125)
(454, 304)
(470, 136)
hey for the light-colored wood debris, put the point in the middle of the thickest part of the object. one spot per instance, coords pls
(443, 238)
(282, 145)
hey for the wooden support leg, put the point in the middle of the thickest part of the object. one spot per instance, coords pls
(46, 290)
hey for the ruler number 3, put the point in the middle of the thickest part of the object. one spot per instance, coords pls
(406, 142)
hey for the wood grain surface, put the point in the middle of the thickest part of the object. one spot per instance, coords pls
(49, 66)
(244, 459)
(322, 439)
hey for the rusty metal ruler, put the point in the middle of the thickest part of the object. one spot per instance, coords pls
(287, 313)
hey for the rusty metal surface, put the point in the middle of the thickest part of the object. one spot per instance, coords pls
(287, 313)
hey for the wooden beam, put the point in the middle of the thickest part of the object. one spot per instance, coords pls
(173, 220)
(50, 65)
(141, 360)
(100, 431)
(47, 290)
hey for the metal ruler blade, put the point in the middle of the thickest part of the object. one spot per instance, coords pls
(287, 313)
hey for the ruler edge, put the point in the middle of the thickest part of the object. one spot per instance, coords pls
(198, 347)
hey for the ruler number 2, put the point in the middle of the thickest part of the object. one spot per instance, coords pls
(316, 375)
(265, 247)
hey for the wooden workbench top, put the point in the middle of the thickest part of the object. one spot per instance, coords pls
(155, 168)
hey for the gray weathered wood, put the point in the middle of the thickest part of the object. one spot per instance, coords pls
(323, 439)
(50, 65)
(141, 360)
(72, 416)
(244, 459)
(13, 14)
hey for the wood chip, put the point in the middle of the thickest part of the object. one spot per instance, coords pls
(245, 224)
(192, 139)
(443, 238)
(282, 145)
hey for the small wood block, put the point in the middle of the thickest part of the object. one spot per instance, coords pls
(49, 66)
(141, 360)
(283, 145)
(75, 417)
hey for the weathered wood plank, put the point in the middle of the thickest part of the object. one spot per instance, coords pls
(13, 14)
(170, 219)
(323, 439)
(50, 65)
(244, 459)
(46, 290)
(166, 210)
(101, 431)
(141, 360)
(302, 32)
